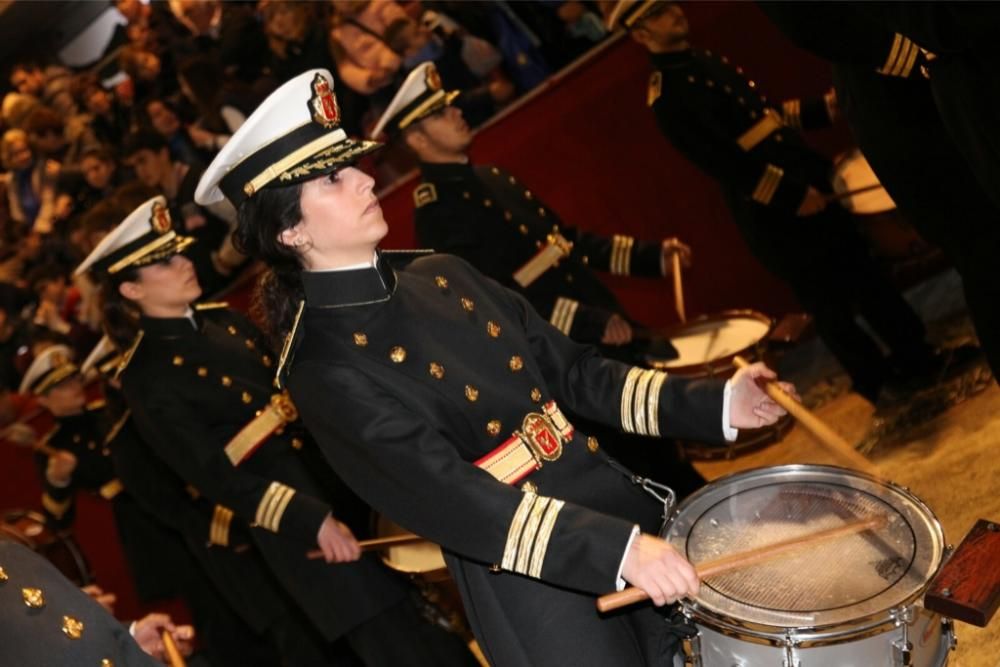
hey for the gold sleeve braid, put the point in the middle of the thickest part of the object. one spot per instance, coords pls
(563, 313)
(641, 401)
(621, 255)
(218, 532)
(901, 58)
(529, 533)
(768, 185)
(272, 506)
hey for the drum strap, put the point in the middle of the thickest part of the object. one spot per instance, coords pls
(540, 438)
(661, 492)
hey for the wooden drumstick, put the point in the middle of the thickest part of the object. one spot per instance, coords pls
(832, 441)
(747, 558)
(836, 196)
(173, 654)
(378, 543)
(675, 259)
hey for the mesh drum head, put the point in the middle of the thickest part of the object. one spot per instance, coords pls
(831, 582)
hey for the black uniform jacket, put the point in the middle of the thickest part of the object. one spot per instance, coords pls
(47, 620)
(488, 218)
(708, 110)
(406, 379)
(192, 384)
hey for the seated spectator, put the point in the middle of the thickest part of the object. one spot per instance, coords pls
(31, 183)
(46, 132)
(442, 43)
(221, 104)
(20, 258)
(165, 120)
(29, 77)
(109, 120)
(99, 175)
(365, 63)
(16, 109)
(146, 71)
(13, 333)
(57, 305)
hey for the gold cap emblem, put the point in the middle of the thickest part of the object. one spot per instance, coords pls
(72, 627)
(159, 219)
(33, 597)
(493, 329)
(436, 370)
(323, 103)
(398, 354)
(471, 393)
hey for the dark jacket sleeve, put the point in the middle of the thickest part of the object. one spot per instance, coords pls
(175, 431)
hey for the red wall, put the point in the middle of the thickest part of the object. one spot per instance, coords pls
(589, 147)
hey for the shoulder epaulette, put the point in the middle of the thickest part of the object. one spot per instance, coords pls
(211, 305)
(424, 194)
(655, 88)
(128, 354)
(288, 348)
(97, 404)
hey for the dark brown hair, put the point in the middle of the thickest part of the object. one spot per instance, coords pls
(261, 219)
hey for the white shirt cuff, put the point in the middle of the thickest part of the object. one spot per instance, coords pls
(728, 432)
(131, 629)
(619, 582)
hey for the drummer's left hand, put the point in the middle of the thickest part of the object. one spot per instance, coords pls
(749, 405)
(669, 248)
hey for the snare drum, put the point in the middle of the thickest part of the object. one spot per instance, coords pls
(706, 345)
(852, 601)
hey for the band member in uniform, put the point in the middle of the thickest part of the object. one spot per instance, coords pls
(437, 395)
(523, 244)
(242, 617)
(198, 381)
(47, 620)
(777, 189)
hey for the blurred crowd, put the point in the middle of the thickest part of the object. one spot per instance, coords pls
(80, 149)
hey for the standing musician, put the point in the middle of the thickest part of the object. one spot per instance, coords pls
(777, 189)
(437, 395)
(484, 215)
(198, 381)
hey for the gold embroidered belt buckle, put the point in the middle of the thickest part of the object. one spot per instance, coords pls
(278, 412)
(760, 130)
(557, 248)
(540, 439)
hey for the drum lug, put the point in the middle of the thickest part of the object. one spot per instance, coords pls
(790, 658)
(691, 648)
(948, 628)
(902, 652)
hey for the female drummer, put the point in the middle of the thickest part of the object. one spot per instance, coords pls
(198, 380)
(438, 395)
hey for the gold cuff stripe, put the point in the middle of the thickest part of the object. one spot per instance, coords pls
(527, 543)
(514, 532)
(275, 169)
(563, 313)
(542, 539)
(768, 185)
(621, 255)
(272, 506)
(792, 111)
(902, 57)
(218, 532)
(628, 391)
(640, 401)
(760, 130)
(111, 489)
(55, 507)
(653, 403)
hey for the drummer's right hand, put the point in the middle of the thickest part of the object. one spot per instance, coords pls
(659, 570)
(814, 202)
(337, 542)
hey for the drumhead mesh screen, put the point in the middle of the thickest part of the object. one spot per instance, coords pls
(825, 575)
